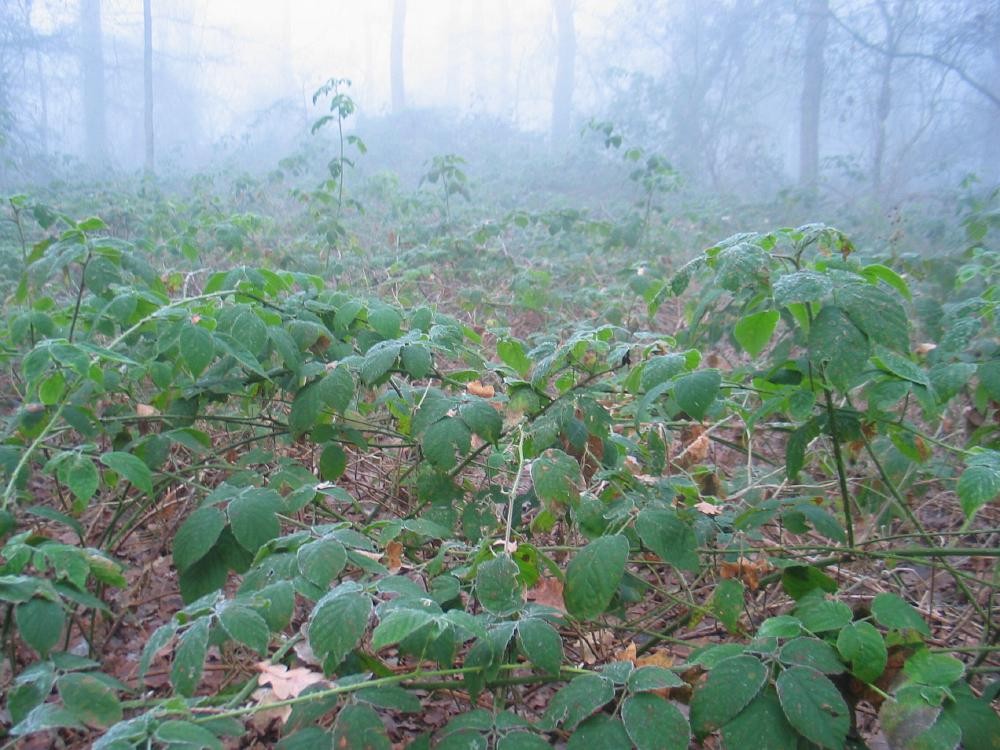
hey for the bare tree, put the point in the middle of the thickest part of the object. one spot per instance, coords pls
(562, 92)
(147, 79)
(396, 56)
(92, 66)
(813, 72)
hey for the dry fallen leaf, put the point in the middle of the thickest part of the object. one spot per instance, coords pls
(695, 452)
(264, 718)
(394, 555)
(746, 570)
(924, 349)
(548, 592)
(476, 388)
(626, 654)
(286, 683)
(145, 410)
(657, 658)
(707, 508)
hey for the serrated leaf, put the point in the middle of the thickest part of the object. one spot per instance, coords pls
(358, 726)
(252, 518)
(132, 468)
(819, 614)
(577, 700)
(652, 723)
(801, 286)
(979, 484)
(593, 575)
(667, 536)
(862, 645)
(184, 734)
(442, 439)
(197, 347)
(937, 670)
(379, 360)
(814, 707)
(196, 536)
(497, 586)
(416, 360)
(900, 366)
(89, 699)
(385, 320)
(245, 626)
(511, 353)
(761, 726)
(555, 476)
(837, 347)
(811, 652)
(895, 613)
(321, 561)
(189, 659)
(696, 391)
(541, 644)
(727, 603)
(338, 623)
(482, 419)
(81, 476)
(752, 332)
(729, 687)
(397, 625)
(40, 623)
(876, 312)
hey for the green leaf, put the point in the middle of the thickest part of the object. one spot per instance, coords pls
(252, 517)
(900, 366)
(555, 476)
(937, 670)
(442, 439)
(522, 741)
(197, 347)
(358, 726)
(696, 391)
(497, 587)
(801, 286)
(979, 723)
(81, 476)
(390, 696)
(416, 360)
(89, 699)
(862, 645)
(397, 625)
(379, 360)
(40, 623)
(814, 706)
(730, 686)
(245, 626)
(658, 370)
(819, 614)
(336, 389)
(727, 603)
(321, 561)
(896, 614)
(157, 641)
(799, 580)
(541, 644)
(338, 623)
(44, 717)
(752, 332)
(482, 419)
(511, 353)
(761, 726)
(989, 378)
(979, 484)
(385, 320)
(196, 536)
(667, 536)
(189, 659)
(837, 347)
(184, 735)
(782, 626)
(577, 700)
(910, 723)
(592, 577)
(811, 652)
(132, 468)
(332, 462)
(876, 312)
(653, 723)
(598, 731)
(653, 678)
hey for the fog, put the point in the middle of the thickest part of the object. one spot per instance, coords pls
(892, 98)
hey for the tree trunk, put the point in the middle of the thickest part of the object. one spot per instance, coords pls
(562, 92)
(147, 79)
(92, 64)
(812, 92)
(396, 56)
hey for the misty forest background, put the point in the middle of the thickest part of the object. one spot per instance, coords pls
(499, 373)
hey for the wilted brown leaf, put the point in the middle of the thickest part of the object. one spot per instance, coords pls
(394, 555)
(746, 570)
(548, 592)
(286, 683)
(707, 508)
(476, 388)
